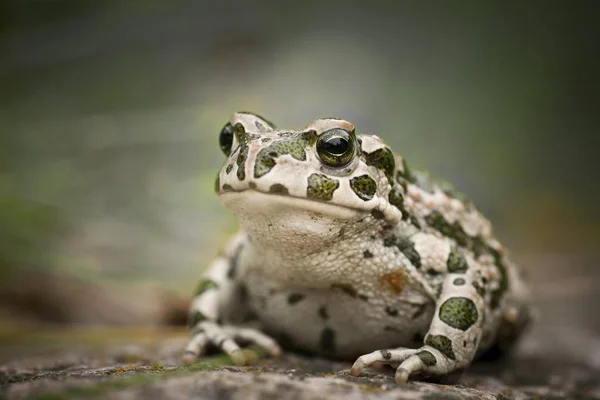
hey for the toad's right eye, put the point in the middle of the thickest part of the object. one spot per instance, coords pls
(226, 139)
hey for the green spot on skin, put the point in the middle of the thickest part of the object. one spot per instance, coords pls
(498, 293)
(321, 187)
(195, 319)
(327, 341)
(477, 245)
(406, 247)
(442, 344)
(427, 358)
(480, 289)
(295, 298)
(459, 282)
(228, 169)
(241, 161)
(459, 313)
(294, 145)
(264, 163)
(382, 159)
(205, 285)
(364, 186)
(480, 247)
(455, 231)
(397, 200)
(456, 263)
(415, 221)
(278, 188)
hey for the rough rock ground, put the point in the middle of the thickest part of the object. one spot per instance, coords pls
(122, 363)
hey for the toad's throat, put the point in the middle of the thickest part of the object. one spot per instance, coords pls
(281, 224)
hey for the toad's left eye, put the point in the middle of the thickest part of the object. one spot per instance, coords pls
(336, 147)
(226, 139)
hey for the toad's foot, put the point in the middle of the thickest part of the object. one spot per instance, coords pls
(226, 338)
(406, 361)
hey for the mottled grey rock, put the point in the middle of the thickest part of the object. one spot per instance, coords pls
(551, 363)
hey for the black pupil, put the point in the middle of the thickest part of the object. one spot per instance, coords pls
(226, 138)
(336, 146)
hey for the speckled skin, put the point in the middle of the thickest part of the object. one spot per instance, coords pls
(364, 260)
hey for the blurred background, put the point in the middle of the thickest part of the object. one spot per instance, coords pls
(110, 113)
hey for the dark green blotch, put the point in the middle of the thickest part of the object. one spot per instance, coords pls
(228, 169)
(459, 282)
(498, 293)
(427, 358)
(232, 271)
(415, 221)
(264, 163)
(377, 214)
(349, 290)
(442, 344)
(391, 311)
(243, 136)
(195, 318)
(344, 287)
(321, 187)
(459, 312)
(367, 254)
(295, 298)
(278, 188)
(382, 159)
(480, 247)
(480, 289)
(406, 247)
(455, 231)
(477, 245)
(397, 200)
(385, 354)
(241, 161)
(323, 313)
(227, 187)
(364, 186)
(205, 285)
(327, 341)
(292, 145)
(456, 263)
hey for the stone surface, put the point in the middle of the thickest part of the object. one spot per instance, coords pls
(127, 363)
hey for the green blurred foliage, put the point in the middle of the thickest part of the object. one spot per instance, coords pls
(110, 113)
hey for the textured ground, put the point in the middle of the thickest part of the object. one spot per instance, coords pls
(138, 363)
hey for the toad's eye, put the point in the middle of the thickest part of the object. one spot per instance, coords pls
(336, 147)
(226, 139)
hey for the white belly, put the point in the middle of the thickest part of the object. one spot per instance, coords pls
(336, 323)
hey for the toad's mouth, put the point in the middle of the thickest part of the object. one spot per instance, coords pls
(252, 202)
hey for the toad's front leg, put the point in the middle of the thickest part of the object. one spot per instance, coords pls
(217, 290)
(452, 340)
